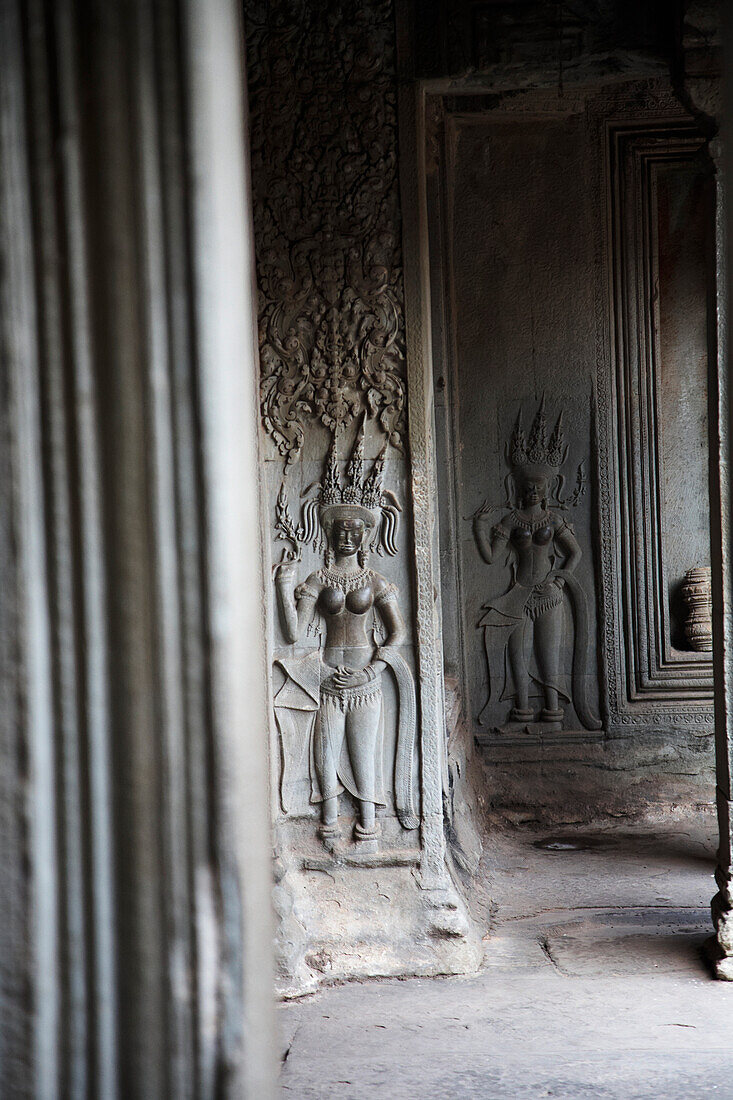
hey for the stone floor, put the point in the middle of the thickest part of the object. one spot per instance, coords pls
(594, 985)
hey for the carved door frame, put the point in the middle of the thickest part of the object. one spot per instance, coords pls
(646, 682)
(643, 105)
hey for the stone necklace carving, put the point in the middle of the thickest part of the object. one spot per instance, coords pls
(531, 524)
(346, 582)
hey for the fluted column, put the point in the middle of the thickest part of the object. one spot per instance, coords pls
(135, 927)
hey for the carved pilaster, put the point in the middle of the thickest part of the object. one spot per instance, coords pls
(135, 831)
(434, 133)
(648, 685)
(332, 334)
(722, 568)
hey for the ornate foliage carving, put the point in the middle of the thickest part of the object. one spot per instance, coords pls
(327, 219)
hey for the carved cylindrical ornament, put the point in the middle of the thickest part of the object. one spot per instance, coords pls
(696, 592)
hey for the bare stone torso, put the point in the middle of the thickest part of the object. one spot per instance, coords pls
(532, 549)
(347, 617)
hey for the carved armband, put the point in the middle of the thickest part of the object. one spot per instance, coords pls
(389, 594)
(499, 532)
(305, 591)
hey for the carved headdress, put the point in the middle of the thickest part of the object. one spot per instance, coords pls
(359, 495)
(536, 455)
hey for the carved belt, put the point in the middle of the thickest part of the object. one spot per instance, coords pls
(350, 698)
(538, 603)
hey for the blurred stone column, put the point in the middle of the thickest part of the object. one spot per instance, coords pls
(135, 925)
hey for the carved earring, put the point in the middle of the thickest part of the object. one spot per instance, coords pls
(363, 556)
(330, 556)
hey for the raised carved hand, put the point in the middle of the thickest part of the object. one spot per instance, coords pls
(285, 573)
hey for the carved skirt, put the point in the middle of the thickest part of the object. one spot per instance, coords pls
(505, 615)
(347, 743)
(518, 603)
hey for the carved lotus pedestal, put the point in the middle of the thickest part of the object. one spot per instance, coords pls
(337, 850)
(542, 721)
(357, 857)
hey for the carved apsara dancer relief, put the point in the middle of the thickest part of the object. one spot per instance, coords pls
(332, 697)
(525, 627)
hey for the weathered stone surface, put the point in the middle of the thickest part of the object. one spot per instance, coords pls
(136, 926)
(466, 794)
(563, 777)
(345, 921)
(594, 985)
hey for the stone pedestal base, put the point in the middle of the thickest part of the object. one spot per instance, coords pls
(355, 914)
(720, 963)
(536, 733)
(362, 857)
(580, 775)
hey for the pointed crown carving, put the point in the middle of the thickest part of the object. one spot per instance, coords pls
(537, 450)
(360, 495)
(357, 490)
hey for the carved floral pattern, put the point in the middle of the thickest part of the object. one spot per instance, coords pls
(327, 218)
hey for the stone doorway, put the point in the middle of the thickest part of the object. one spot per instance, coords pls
(572, 243)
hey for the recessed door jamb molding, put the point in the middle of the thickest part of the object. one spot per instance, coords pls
(648, 679)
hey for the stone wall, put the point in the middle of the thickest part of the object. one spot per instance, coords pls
(440, 256)
(346, 434)
(557, 277)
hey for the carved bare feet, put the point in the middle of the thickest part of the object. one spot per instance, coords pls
(367, 839)
(330, 834)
